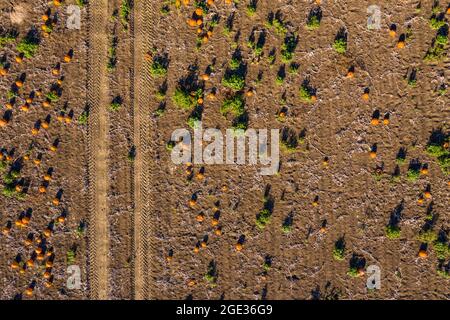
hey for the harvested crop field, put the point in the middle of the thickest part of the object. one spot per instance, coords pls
(94, 207)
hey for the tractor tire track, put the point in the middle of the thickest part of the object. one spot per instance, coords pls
(98, 235)
(141, 95)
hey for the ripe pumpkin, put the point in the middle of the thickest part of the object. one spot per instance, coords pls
(424, 171)
(18, 59)
(37, 161)
(49, 264)
(6, 230)
(373, 154)
(199, 12)
(214, 222)
(350, 74)
(365, 96)
(46, 104)
(375, 121)
(423, 254)
(30, 263)
(14, 265)
(196, 249)
(3, 71)
(218, 231)
(53, 148)
(204, 77)
(67, 58)
(48, 283)
(23, 269)
(34, 131)
(400, 44)
(192, 23)
(25, 220)
(44, 17)
(47, 233)
(200, 217)
(3, 122)
(238, 246)
(47, 177)
(200, 176)
(38, 250)
(386, 121)
(203, 244)
(19, 83)
(8, 105)
(29, 290)
(192, 203)
(19, 188)
(61, 219)
(55, 202)
(57, 3)
(42, 189)
(40, 257)
(47, 274)
(420, 200)
(427, 194)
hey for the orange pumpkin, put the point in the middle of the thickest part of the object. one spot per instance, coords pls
(14, 265)
(29, 291)
(373, 154)
(400, 44)
(238, 246)
(375, 121)
(3, 122)
(199, 12)
(427, 194)
(423, 254)
(214, 222)
(42, 189)
(200, 217)
(30, 263)
(47, 233)
(218, 231)
(18, 59)
(55, 202)
(34, 131)
(365, 96)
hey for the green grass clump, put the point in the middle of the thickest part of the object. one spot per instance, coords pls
(288, 48)
(158, 68)
(427, 236)
(392, 232)
(251, 8)
(263, 218)
(436, 23)
(233, 81)
(442, 155)
(305, 93)
(7, 38)
(184, 100)
(338, 253)
(70, 257)
(124, 13)
(81, 3)
(28, 47)
(83, 118)
(52, 97)
(340, 45)
(234, 105)
(413, 174)
(353, 272)
(313, 22)
(9, 191)
(441, 249)
(115, 106)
